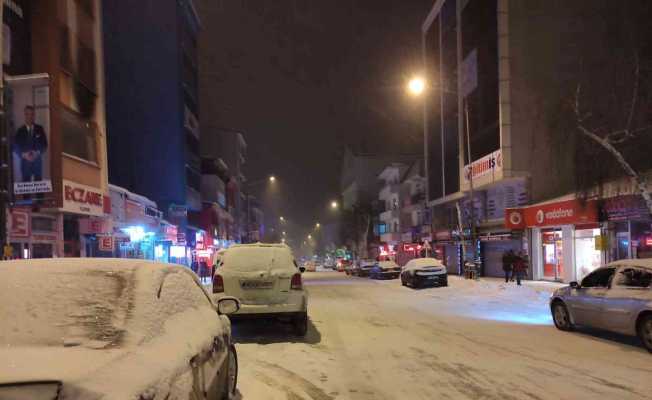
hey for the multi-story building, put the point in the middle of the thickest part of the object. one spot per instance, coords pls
(153, 104)
(389, 197)
(502, 71)
(230, 146)
(56, 113)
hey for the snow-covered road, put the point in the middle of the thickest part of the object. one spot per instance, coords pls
(471, 340)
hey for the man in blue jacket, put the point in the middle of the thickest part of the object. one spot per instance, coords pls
(30, 143)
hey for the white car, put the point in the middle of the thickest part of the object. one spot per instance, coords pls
(102, 328)
(266, 280)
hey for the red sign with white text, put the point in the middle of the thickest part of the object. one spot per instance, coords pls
(82, 199)
(570, 212)
(20, 226)
(105, 243)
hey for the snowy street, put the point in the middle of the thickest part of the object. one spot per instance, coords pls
(472, 340)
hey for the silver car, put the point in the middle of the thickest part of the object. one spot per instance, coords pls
(616, 297)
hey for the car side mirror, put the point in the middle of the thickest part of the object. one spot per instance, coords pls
(302, 269)
(574, 285)
(228, 305)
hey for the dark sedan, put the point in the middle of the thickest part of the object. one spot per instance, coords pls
(385, 270)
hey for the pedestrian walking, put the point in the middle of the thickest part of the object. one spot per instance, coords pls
(520, 266)
(508, 264)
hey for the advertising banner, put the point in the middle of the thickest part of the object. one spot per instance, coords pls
(29, 132)
(484, 170)
(19, 224)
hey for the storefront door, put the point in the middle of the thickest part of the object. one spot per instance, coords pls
(42, 250)
(553, 261)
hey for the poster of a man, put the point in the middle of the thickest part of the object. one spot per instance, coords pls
(30, 144)
(29, 124)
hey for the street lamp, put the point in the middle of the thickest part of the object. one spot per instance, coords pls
(272, 178)
(309, 237)
(281, 218)
(334, 204)
(416, 86)
(317, 225)
(283, 233)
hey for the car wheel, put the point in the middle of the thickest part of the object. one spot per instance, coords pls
(561, 317)
(301, 324)
(231, 375)
(403, 281)
(645, 331)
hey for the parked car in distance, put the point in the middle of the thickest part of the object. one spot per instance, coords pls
(616, 297)
(342, 264)
(350, 268)
(385, 270)
(422, 272)
(103, 328)
(364, 267)
(266, 280)
(310, 266)
(330, 264)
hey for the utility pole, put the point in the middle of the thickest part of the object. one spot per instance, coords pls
(471, 194)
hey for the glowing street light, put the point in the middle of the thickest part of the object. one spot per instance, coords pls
(317, 225)
(272, 178)
(283, 233)
(281, 218)
(334, 204)
(416, 86)
(309, 237)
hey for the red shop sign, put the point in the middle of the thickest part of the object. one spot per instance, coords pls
(19, 224)
(570, 212)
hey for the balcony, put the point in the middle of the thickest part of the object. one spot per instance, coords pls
(388, 190)
(389, 214)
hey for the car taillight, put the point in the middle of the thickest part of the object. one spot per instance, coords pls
(218, 284)
(296, 283)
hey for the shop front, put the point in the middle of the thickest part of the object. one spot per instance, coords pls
(33, 235)
(565, 238)
(493, 245)
(628, 226)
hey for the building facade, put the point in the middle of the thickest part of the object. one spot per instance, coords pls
(56, 126)
(153, 104)
(501, 172)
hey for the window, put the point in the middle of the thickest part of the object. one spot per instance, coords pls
(382, 228)
(79, 136)
(600, 278)
(633, 277)
(43, 224)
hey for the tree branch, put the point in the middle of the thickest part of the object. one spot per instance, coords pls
(632, 109)
(641, 184)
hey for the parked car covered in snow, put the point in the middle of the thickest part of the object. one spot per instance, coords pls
(363, 267)
(616, 297)
(266, 280)
(421, 272)
(92, 328)
(385, 270)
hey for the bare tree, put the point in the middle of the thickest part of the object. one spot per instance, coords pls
(615, 127)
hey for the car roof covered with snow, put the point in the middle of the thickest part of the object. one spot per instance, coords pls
(637, 262)
(387, 264)
(419, 263)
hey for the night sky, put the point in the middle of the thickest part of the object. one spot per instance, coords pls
(304, 79)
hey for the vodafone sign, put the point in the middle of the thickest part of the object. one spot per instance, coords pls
(570, 212)
(82, 199)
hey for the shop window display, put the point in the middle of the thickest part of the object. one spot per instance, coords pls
(587, 258)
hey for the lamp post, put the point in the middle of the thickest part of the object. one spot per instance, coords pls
(417, 87)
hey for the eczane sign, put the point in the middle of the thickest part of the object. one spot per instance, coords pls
(82, 199)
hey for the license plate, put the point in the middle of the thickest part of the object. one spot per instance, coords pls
(256, 284)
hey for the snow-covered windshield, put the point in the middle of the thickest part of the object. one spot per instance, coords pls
(247, 259)
(387, 264)
(40, 306)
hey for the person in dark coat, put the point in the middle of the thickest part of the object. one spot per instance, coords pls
(508, 260)
(30, 143)
(520, 266)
